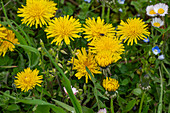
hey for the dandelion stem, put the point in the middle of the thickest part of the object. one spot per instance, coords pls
(103, 9)
(165, 68)
(161, 95)
(141, 102)
(108, 14)
(111, 105)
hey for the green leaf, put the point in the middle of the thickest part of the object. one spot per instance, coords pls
(130, 105)
(137, 5)
(41, 102)
(98, 86)
(13, 107)
(137, 91)
(87, 110)
(41, 89)
(65, 106)
(57, 109)
(93, 79)
(42, 109)
(125, 82)
(99, 94)
(33, 57)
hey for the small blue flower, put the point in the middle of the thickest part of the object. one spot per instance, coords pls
(156, 50)
(121, 1)
(146, 40)
(120, 10)
(87, 1)
(161, 57)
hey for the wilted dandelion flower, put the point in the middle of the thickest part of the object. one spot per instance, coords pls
(157, 22)
(107, 50)
(110, 84)
(132, 30)
(63, 28)
(102, 111)
(150, 11)
(37, 12)
(156, 50)
(161, 9)
(28, 79)
(96, 29)
(83, 60)
(7, 40)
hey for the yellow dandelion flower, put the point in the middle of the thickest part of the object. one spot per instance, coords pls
(7, 40)
(63, 28)
(37, 12)
(28, 79)
(84, 60)
(110, 84)
(96, 29)
(2, 34)
(132, 30)
(107, 50)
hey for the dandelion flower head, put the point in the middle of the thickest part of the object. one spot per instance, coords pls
(63, 28)
(84, 59)
(2, 34)
(28, 79)
(107, 50)
(110, 84)
(96, 29)
(7, 40)
(37, 12)
(132, 30)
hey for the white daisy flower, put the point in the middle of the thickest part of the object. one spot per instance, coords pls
(75, 91)
(157, 22)
(150, 11)
(102, 111)
(161, 9)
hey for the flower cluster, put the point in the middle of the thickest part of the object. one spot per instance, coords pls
(159, 9)
(7, 40)
(107, 50)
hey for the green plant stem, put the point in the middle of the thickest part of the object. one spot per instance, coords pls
(141, 102)
(161, 95)
(108, 14)
(165, 68)
(103, 9)
(66, 83)
(111, 105)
